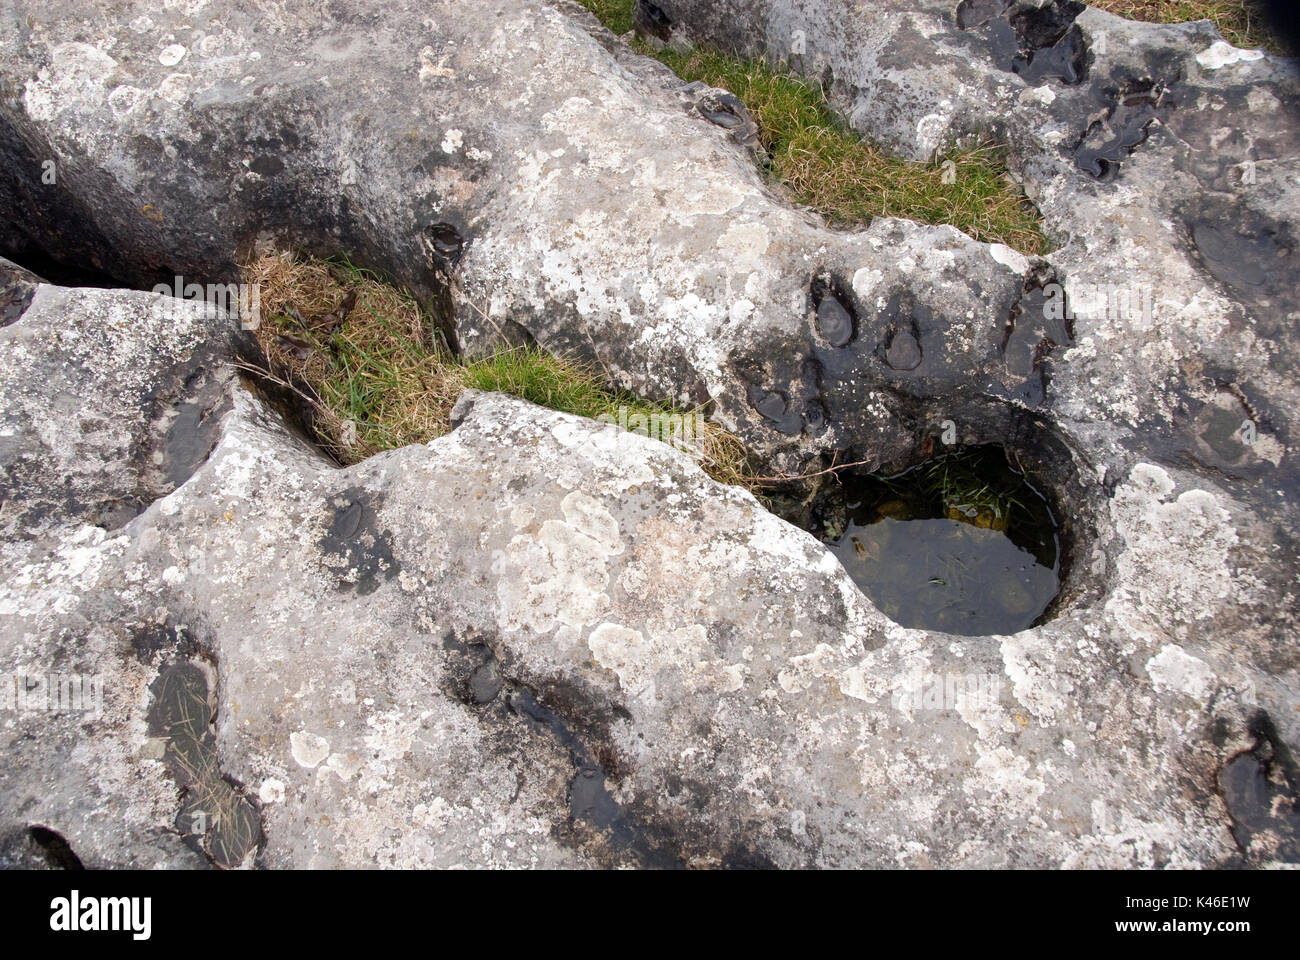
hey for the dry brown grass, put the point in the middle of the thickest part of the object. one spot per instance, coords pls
(360, 347)
(361, 353)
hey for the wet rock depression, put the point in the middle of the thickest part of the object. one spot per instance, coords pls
(962, 543)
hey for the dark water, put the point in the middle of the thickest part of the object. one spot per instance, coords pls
(214, 817)
(962, 543)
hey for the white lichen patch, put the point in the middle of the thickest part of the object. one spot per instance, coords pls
(1221, 54)
(308, 749)
(1173, 668)
(172, 55)
(1176, 566)
(271, 791)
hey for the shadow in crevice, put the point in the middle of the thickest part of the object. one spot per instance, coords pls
(55, 848)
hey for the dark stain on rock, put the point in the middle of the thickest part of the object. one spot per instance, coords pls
(473, 671)
(14, 301)
(1110, 139)
(1223, 432)
(1250, 253)
(167, 638)
(1224, 160)
(214, 817)
(17, 287)
(807, 415)
(193, 430)
(354, 547)
(976, 13)
(743, 858)
(117, 512)
(784, 386)
(515, 334)
(590, 802)
(773, 407)
(267, 165)
(1038, 323)
(1260, 788)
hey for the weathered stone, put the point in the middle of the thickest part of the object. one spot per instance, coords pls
(650, 642)
(541, 641)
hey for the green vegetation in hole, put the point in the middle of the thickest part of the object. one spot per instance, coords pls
(961, 543)
(973, 486)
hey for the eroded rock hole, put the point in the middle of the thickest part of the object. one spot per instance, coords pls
(55, 849)
(215, 818)
(445, 245)
(963, 542)
(836, 318)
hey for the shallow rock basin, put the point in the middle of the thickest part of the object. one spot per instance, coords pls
(962, 543)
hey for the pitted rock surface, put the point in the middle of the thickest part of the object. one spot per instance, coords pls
(558, 602)
(432, 657)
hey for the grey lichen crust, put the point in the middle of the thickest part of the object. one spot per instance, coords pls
(541, 641)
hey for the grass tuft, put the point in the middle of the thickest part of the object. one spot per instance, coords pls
(823, 164)
(362, 354)
(1242, 22)
(614, 14)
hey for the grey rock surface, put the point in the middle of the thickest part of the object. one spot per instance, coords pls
(540, 641)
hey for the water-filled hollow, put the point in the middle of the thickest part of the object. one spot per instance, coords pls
(964, 542)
